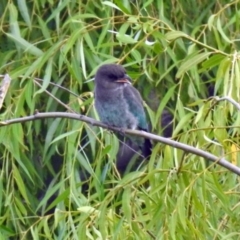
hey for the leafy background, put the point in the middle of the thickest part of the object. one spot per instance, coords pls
(180, 54)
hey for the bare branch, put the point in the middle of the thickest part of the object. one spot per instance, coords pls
(237, 105)
(218, 160)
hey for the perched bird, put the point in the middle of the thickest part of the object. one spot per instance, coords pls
(119, 104)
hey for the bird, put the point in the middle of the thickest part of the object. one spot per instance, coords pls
(119, 104)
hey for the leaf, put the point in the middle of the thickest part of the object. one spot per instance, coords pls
(45, 30)
(223, 67)
(23, 9)
(237, 77)
(182, 123)
(7, 230)
(112, 5)
(163, 104)
(14, 27)
(124, 38)
(173, 35)
(62, 197)
(25, 45)
(88, 209)
(191, 62)
(88, 15)
(136, 55)
(20, 183)
(181, 209)
(52, 189)
(82, 57)
(213, 61)
(89, 42)
(219, 28)
(210, 21)
(47, 77)
(52, 130)
(126, 204)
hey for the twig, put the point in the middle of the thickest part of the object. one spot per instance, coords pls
(218, 99)
(218, 160)
(56, 99)
(237, 105)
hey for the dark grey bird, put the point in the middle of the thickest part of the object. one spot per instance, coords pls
(119, 104)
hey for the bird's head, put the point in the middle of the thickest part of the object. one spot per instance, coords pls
(111, 76)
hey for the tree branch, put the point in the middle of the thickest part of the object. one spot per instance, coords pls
(229, 100)
(187, 148)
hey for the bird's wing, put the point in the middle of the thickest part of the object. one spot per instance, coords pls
(135, 105)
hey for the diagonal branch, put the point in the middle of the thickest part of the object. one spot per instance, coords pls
(187, 148)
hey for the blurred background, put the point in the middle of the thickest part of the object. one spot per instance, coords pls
(181, 54)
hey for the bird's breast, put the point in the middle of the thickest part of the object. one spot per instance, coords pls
(113, 109)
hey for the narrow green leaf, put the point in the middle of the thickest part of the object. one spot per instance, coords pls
(82, 57)
(213, 61)
(124, 27)
(163, 104)
(183, 123)
(52, 189)
(25, 45)
(124, 38)
(112, 5)
(237, 77)
(103, 34)
(14, 27)
(7, 230)
(88, 15)
(136, 55)
(210, 21)
(181, 209)
(63, 136)
(46, 227)
(23, 8)
(220, 29)
(51, 131)
(191, 62)
(200, 114)
(126, 204)
(124, 6)
(47, 77)
(21, 206)
(61, 198)
(20, 183)
(56, 11)
(45, 30)
(227, 84)
(88, 41)
(173, 35)
(222, 69)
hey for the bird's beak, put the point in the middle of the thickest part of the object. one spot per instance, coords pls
(123, 81)
(127, 79)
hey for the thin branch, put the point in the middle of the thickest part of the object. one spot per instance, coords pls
(218, 160)
(237, 105)
(56, 85)
(56, 99)
(217, 99)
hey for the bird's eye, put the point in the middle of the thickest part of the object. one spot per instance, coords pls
(112, 77)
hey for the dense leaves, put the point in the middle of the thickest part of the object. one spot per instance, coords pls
(58, 176)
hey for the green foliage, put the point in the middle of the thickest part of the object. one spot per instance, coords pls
(178, 53)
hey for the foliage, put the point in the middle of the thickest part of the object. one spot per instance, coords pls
(179, 52)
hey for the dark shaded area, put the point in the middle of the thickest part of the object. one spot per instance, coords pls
(167, 123)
